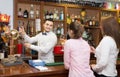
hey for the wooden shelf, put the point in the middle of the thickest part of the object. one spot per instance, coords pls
(91, 27)
(26, 19)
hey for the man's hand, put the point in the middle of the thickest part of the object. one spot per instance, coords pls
(27, 45)
(21, 30)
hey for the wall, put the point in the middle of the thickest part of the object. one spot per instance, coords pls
(6, 7)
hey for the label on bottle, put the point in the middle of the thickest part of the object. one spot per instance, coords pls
(25, 16)
(58, 31)
(37, 14)
(1, 55)
(37, 25)
(90, 23)
(31, 14)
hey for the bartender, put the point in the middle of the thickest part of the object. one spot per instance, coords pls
(45, 40)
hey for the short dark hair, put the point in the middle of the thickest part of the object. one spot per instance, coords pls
(48, 20)
(77, 29)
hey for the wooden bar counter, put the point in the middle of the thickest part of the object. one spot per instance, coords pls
(25, 70)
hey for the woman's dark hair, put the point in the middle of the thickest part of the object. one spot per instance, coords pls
(77, 29)
(111, 28)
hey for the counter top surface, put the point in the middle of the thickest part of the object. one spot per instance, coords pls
(26, 70)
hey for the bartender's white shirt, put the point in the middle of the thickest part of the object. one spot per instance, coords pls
(106, 54)
(45, 45)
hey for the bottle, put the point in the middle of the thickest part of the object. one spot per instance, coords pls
(55, 14)
(55, 30)
(6, 50)
(90, 22)
(1, 54)
(25, 14)
(37, 13)
(47, 15)
(31, 11)
(32, 28)
(61, 15)
(93, 21)
(68, 19)
(62, 29)
(1, 47)
(37, 25)
(20, 15)
(58, 31)
(51, 15)
(19, 22)
(28, 28)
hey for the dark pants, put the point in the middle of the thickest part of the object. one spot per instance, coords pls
(97, 75)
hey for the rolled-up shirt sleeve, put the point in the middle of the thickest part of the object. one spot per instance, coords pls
(45, 48)
(30, 39)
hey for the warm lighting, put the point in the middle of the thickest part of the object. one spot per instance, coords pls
(4, 18)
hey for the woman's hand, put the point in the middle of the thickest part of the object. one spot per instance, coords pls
(92, 66)
(92, 49)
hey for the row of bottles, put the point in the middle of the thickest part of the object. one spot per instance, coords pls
(55, 15)
(88, 36)
(59, 30)
(104, 4)
(92, 21)
(32, 13)
(31, 27)
(107, 13)
(79, 2)
(86, 21)
(94, 3)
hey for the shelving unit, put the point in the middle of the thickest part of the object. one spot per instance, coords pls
(71, 9)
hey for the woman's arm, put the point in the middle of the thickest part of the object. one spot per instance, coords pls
(66, 55)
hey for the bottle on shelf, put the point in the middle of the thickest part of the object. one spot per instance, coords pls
(28, 28)
(62, 29)
(47, 16)
(20, 14)
(1, 54)
(58, 32)
(19, 24)
(37, 26)
(93, 21)
(31, 11)
(25, 14)
(51, 15)
(55, 15)
(55, 29)
(90, 22)
(37, 13)
(32, 28)
(61, 15)
(68, 19)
